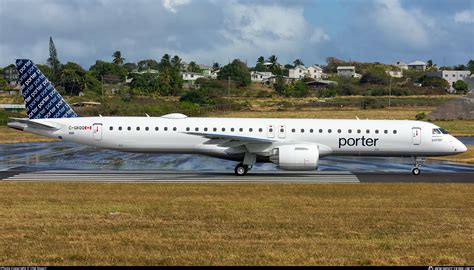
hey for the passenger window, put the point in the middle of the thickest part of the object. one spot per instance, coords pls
(293, 130)
(205, 129)
(260, 130)
(329, 131)
(385, 131)
(349, 131)
(394, 132)
(111, 128)
(367, 131)
(156, 128)
(232, 129)
(138, 128)
(196, 129)
(129, 128)
(241, 129)
(282, 130)
(376, 131)
(223, 129)
(187, 129)
(311, 131)
(214, 129)
(174, 129)
(147, 128)
(166, 128)
(358, 131)
(270, 130)
(302, 130)
(338, 131)
(320, 131)
(250, 129)
(120, 128)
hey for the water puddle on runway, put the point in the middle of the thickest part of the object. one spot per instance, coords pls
(71, 156)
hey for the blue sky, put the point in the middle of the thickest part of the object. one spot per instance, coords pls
(221, 30)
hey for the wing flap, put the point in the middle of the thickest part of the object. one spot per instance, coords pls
(225, 140)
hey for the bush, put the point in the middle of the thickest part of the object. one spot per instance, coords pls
(461, 87)
(420, 116)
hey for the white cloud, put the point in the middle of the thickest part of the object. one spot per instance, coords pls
(402, 26)
(466, 16)
(171, 5)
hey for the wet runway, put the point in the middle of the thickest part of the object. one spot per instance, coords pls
(64, 161)
(16, 174)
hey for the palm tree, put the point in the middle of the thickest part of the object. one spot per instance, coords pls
(215, 66)
(261, 60)
(298, 62)
(118, 59)
(273, 61)
(165, 61)
(176, 62)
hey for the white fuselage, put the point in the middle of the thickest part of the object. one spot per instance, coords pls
(333, 137)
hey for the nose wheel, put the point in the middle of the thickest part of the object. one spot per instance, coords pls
(241, 169)
(416, 169)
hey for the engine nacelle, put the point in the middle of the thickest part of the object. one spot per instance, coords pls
(296, 157)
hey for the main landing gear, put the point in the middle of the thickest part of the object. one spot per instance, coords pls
(242, 168)
(416, 169)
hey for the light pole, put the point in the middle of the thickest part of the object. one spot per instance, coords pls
(389, 91)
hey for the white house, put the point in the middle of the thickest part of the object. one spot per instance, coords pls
(395, 73)
(401, 65)
(347, 71)
(257, 76)
(417, 65)
(451, 76)
(300, 72)
(191, 76)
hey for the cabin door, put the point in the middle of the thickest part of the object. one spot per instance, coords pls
(97, 131)
(416, 136)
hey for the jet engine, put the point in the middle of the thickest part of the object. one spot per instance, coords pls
(296, 157)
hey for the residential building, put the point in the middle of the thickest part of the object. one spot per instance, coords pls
(401, 65)
(319, 84)
(451, 76)
(300, 72)
(272, 80)
(10, 75)
(417, 65)
(347, 71)
(395, 73)
(192, 76)
(262, 77)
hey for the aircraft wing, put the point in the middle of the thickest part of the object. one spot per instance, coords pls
(22, 123)
(225, 140)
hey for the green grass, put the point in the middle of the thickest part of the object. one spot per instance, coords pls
(233, 224)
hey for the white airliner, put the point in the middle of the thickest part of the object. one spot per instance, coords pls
(292, 144)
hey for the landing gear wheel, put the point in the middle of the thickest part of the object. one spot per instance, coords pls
(415, 171)
(241, 169)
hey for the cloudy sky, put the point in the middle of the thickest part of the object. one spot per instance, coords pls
(218, 30)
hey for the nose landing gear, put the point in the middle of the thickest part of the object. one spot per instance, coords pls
(416, 169)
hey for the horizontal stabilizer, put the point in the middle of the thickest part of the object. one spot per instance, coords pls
(22, 123)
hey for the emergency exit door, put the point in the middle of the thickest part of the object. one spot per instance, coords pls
(97, 132)
(416, 136)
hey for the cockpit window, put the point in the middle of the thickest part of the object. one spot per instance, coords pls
(444, 131)
(439, 131)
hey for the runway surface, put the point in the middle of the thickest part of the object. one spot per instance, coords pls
(225, 177)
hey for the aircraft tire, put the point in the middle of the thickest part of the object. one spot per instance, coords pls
(241, 169)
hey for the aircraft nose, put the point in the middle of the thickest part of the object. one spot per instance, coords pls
(459, 147)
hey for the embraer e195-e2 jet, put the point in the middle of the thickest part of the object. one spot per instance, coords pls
(292, 144)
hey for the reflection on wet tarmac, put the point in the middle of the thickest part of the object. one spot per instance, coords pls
(64, 155)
